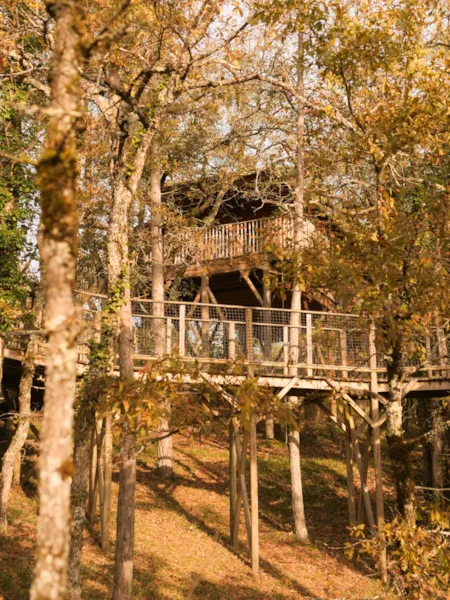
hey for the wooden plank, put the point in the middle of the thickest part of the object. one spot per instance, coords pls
(169, 336)
(365, 462)
(335, 386)
(343, 344)
(287, 388)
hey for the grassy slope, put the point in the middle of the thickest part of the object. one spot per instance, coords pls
(182, 528)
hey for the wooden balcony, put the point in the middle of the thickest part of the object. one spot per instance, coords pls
(235, 246)
(279, 347)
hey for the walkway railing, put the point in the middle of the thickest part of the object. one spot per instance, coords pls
(320, 344)
(238, 239)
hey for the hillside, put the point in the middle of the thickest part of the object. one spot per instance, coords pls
(182, 528)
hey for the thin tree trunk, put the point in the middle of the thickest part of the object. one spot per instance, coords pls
(58, 172)
(2, 351)
(21, 433)
(298, 509)
(165, 445)
(298, 506)
(119, 286)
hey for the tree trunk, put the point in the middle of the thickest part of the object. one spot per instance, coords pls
(2, 350)
(423, 418)
(298, 507)
(81, 457)
(399, 449)
(119, 286)
(21, 433)
(165, 445)
(58, 172)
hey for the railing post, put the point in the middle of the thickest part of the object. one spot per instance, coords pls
(286, 350)
(249, 338)
(309, 343)
(231, 341)
(182, 331)
(375, 412)
(169, 336)
(343, 342)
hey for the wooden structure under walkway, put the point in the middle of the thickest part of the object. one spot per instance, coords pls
(330, 353)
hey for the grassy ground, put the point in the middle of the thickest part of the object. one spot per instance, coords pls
(182, 531)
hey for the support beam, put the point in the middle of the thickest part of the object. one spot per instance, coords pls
(350, 477)
(251, 285)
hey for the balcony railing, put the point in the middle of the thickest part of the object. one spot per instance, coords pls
(312, 344)
(234, 240)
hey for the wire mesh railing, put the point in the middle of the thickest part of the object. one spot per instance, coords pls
(272, 341)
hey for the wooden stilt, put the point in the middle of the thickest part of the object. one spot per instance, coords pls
(377, 454)
(358, 457)
(350, 477)
(107, 480)
(242, 486)
(233, 482)
(254, 497)
(365, 463)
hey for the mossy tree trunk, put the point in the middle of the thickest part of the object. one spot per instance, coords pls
(57, 175)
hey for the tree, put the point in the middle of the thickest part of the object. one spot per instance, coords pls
(57, 174)
(387, 212)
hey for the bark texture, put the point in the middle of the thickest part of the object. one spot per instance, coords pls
(298, 509)
(58, 172)
(165, 445)
(298, 506)
(21, 433)
(124, 189)
(399, 449)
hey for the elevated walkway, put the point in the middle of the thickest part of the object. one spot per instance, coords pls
(304, 350)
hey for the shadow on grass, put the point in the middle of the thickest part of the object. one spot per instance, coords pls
(16, 565)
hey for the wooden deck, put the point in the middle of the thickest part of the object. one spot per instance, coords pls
(234, 246)
(307, 350)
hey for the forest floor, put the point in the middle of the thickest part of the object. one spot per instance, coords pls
(182, 549)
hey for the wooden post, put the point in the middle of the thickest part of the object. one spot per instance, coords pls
(231, 341)
(267, 346)
(343, 342)
(205, 316)
(182, 331)
(169, 336)
(377, 452)
(242, 496)
(309, 343)
(254, 497)
(286, 350)
(249, 339)
(364, 487)
(233, 482)
(350, 477)
(107, 480)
